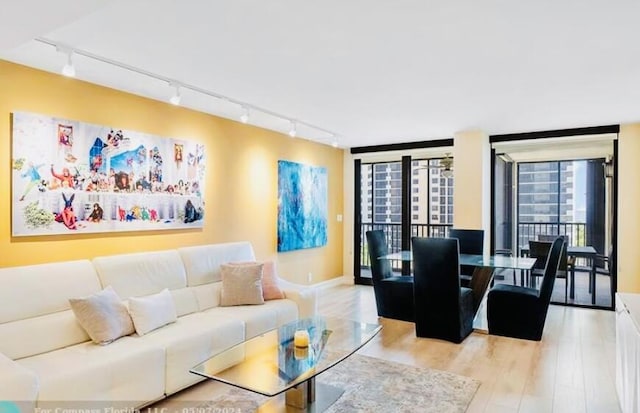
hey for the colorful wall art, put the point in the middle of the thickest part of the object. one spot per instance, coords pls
(72, 177)
(302, 206)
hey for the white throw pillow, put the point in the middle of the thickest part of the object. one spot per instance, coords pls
(152, 311)
(241, 284)
(103, 316)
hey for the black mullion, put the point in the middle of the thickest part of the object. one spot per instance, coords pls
(492, 232)
(517, 252)
(558, 197)
(405, 227)
(429, 206)
(613, 264)
(357, 222)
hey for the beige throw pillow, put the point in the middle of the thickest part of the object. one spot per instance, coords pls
(103, 316)
(152, 311)
(241, 284)
(270, 288)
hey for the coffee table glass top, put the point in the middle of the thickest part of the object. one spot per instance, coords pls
(270, 363)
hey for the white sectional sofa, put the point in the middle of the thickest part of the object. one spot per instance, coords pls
(46, 357)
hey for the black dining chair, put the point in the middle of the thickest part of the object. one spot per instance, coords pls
(394, 293)
(443, 309)
(520, 312)
(567, 267)
(471, 241)
(539, 250)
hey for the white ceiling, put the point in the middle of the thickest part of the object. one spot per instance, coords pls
(373, 72)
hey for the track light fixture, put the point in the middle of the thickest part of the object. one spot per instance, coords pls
(68, 69)
(244, 118)
(247, 109)
(292, 130)
(176, 98)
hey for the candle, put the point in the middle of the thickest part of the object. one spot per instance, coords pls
(301, 338)
(301, 353)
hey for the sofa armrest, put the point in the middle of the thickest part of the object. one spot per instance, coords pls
(17, 384)
(305, 297)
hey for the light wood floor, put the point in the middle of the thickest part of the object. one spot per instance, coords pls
(571, 370)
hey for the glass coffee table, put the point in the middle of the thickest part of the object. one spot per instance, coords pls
(271, 364)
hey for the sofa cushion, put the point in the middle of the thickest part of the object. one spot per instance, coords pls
(185, 301)
(202, 263)
(25, 338)
(140, 274)
(17, 384)
(191, 340)
(208, 295)
(103, 315)
(152, 311)
(241, 284)
(257, 320)
(36, 290)
(126, 370)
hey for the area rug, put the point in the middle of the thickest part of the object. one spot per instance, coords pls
(371, 385)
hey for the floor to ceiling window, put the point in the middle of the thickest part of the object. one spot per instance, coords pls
(551, 200)
(566, 187)
(567, 198)
(430, 200)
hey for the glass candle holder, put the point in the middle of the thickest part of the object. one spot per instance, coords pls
(301, 353)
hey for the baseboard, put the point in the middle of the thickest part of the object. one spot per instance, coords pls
(330, 283)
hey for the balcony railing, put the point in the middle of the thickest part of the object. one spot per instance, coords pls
(529, 231)
(575, 231)
(393, 236)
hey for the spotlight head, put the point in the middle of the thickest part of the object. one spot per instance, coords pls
(244, 118)
(176, 98)
(292, 130)
(68, 69)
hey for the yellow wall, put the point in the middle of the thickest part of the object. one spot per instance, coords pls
(629, 208)
(241, 181)
(472, 182)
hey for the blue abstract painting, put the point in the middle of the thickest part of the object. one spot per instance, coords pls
(302, 206)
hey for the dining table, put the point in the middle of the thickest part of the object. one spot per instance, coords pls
(490, 261)
(485, 265)
(584, 251)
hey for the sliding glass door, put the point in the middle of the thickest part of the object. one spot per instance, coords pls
(402, 198)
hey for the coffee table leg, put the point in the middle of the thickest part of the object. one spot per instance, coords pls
(302, 395)
(312, 397)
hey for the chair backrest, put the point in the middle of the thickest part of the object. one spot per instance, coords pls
(377, 246)
(540, 251)
(550, 271)
(471, 241)
(563, 258)
(436, 283)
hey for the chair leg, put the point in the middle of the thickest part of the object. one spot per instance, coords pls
(573, 282)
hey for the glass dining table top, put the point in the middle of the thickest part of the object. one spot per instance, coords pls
(493, 261)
